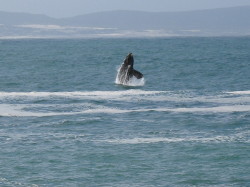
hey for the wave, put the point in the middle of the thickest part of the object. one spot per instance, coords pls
(6, 182)
(59, 103)
(218, 109)
(246, 92)
(238, 137)
(23, 110)
(20, 136)
(130, 95)
(79, 93)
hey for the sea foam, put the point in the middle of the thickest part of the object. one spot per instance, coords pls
(237, 137)
(24, 104)
(24, 110)
(246, 92)
(78, 93)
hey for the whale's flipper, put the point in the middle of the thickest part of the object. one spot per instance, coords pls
(137, 74)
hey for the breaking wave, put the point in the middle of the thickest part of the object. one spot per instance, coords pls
(79, 94)
(39, 104)
(23, 110)
(237, 137)
(246, 92)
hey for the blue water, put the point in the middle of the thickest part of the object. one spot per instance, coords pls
(64, 121)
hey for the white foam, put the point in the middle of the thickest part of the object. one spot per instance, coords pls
(132, 82)
(6, 182)
(20, 110)
(130, 95)
(219, 109)
(174, 97)
(79, 94)
(27, 110)
(20, 136)
(246, 92)
(143, 140)
(224, 103)
(135, 82)
(215, 139)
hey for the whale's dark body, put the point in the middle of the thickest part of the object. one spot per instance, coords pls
(127, 71)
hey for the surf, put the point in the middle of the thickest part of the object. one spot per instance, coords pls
(40, 104)
(80, 94)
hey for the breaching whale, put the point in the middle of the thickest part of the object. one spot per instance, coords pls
(127, 71)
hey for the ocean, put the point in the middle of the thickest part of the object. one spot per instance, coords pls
(65, 122)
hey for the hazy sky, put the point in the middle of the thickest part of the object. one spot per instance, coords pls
(66, 8)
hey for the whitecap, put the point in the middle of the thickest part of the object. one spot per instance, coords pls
(246, 92)
(238, 137)
(24, 110)
(101, 94)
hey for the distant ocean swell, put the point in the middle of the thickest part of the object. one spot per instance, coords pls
(35, 104)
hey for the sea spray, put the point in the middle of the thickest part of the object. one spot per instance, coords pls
(133, 81)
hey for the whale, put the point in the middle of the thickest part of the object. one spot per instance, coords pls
(127, 71)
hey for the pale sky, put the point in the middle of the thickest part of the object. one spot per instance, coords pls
(67, 8)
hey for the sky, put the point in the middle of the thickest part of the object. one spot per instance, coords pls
(69, 8)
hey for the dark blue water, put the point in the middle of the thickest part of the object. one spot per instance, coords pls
(64, 121)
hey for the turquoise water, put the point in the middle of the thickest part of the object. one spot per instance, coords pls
(64, 121)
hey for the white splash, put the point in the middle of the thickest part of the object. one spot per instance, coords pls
(135, 82)
(246, 92)
(132, 81)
